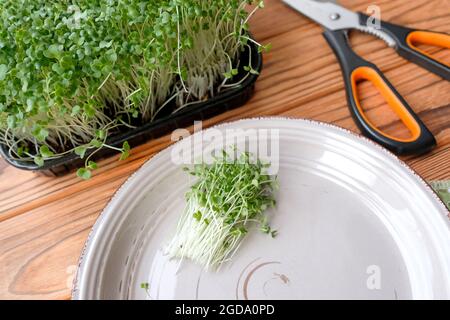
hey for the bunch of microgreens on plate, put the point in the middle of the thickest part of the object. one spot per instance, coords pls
(229, 197)
(73, 73)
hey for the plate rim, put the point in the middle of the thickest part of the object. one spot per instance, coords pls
(348, 132)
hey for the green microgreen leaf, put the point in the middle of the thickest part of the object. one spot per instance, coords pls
(197, 215)
(11, 121)
(124, 155)
(96, 143)
(3, 71)
(45, 152)
(125, 151)
(91, 165)
(105, 44)
(40, 133)
(126, 146)
(54, 51)
(100, 134)
(84, 173)
(265, 48)
(39, 161)
(81, 151)
(20, 151)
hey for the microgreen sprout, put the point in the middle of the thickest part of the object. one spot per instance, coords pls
(146, 287)
(228, 198)
(73, 73)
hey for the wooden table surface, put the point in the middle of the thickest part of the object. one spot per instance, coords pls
(44, 221)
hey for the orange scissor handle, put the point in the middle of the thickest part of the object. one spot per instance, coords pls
(435, 39)
(369, 74)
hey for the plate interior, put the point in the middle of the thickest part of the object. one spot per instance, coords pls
(347, 229)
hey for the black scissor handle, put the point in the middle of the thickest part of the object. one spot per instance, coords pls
(354, 68)
(406, 40)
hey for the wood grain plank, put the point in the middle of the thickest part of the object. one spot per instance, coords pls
(44, 221)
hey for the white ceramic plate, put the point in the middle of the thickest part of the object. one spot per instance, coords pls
(353, 222)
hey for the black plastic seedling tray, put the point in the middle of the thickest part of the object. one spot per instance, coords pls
(222, 102)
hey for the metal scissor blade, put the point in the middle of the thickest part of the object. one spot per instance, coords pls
(330, 15)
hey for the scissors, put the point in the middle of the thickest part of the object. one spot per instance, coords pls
(337, 22)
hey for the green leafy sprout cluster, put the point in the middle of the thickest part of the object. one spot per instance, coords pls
(228, 198)
(73, 73)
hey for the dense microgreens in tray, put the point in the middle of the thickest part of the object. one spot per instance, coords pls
(74, 74)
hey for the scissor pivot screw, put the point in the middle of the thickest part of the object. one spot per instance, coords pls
(334, 16)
